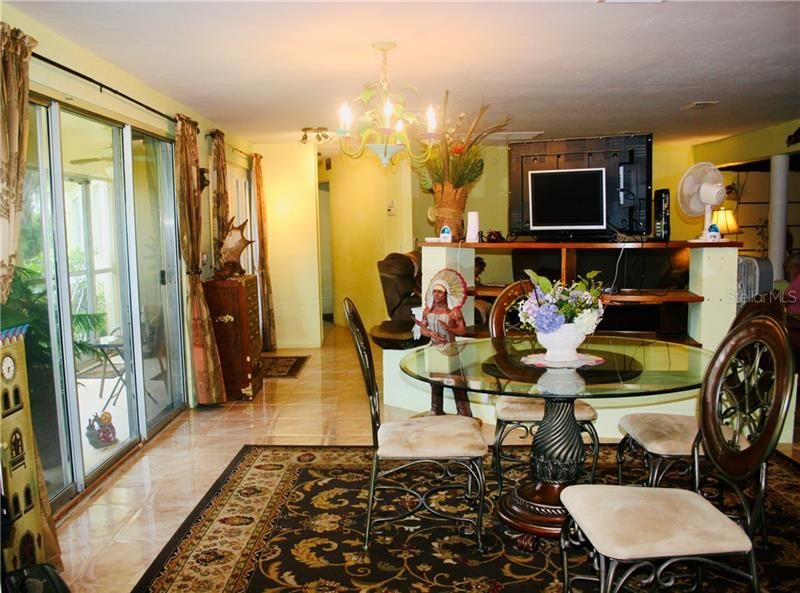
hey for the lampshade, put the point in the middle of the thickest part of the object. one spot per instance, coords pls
(725, 221)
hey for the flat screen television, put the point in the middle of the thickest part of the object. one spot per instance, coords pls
(565, 200)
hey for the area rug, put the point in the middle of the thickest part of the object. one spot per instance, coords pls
(292, 519)
(282, 366)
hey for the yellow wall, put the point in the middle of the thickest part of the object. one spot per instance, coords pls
(363, 232)
(751, 146)
(290, 191)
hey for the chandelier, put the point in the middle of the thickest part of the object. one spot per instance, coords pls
(385, 126)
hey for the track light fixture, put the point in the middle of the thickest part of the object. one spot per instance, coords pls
(319, 134)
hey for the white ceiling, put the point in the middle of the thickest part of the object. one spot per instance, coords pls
(265, 70)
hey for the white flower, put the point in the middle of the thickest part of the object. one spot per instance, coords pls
(587, 320)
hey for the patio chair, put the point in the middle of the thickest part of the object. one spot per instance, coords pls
(660, 537)
(447, 451)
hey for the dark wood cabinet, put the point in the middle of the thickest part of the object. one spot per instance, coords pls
(233, 304)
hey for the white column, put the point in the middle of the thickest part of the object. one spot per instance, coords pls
(778, 179)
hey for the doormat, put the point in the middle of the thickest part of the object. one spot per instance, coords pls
(291, 519)
(282, 366)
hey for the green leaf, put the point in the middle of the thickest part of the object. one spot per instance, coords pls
(540, 281)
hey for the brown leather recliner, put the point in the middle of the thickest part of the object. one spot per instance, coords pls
(401, 283)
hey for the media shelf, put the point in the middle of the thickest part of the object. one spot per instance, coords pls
(711, 266)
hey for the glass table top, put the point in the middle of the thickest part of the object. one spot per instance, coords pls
(609, 366)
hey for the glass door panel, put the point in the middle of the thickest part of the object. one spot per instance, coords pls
(34, 301)
(99, 289)
(159, 287)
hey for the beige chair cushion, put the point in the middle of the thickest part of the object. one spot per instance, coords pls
(531, 409)
(662, 434)
(431, 437)
(631, 522)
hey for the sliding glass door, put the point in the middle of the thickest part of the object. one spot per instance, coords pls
(98, 285)
(97, 258)
(34, 301)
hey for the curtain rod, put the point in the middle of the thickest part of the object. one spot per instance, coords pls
(231, 146)
(102, 86)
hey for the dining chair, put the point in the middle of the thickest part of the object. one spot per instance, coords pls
(659, 536)
(420, 458)
(664, 441)
(516, 413)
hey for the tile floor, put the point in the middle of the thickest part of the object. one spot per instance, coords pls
(111, 537)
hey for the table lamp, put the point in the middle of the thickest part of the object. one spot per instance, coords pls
(725, 221)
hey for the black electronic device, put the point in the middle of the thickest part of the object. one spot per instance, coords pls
(627, 162)
(585, 189)
(661, 214)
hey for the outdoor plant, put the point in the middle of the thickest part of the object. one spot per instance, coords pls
(552, 304)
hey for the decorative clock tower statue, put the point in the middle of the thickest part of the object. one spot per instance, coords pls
(26, 545)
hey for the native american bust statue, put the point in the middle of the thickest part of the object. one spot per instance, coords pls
(231, 250)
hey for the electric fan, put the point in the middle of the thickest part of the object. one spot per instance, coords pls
(701, 189)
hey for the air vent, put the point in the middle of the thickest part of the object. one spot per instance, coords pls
(697, 105)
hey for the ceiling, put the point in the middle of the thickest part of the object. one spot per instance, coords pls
(265, 70)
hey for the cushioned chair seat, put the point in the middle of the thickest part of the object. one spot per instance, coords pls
(662, 434)
(665, 434)
(631, 523)
(530, 409)
(431, 437)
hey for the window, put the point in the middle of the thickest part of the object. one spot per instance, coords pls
(17, 449)
(28, 498)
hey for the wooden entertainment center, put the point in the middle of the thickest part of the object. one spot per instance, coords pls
(711, 292)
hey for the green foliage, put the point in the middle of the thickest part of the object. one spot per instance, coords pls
(457, 157)
(27, 303)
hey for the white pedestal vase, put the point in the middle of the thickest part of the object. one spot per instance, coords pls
(561, 345)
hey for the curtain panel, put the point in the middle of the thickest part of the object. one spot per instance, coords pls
(220, 193)
(205, 357)
(264, 281)
(15, 55)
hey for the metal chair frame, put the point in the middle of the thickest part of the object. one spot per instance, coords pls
(500, 326)
(756, 355)
(657, 465)
(441, 474)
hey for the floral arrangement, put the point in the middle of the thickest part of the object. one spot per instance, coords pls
(456, 158)
(552, 304)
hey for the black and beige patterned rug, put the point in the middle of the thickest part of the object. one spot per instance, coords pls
(282, 366)
(286, 519)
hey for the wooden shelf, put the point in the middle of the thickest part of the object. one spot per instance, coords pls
(486, 291)
(570, 246)
(653, 296)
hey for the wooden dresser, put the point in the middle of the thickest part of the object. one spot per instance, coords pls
(233, 304)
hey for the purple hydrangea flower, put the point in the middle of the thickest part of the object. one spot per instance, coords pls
(548, 318)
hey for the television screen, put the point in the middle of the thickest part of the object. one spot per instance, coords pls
(567, 199)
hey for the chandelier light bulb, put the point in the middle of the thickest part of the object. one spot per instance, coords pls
(345, 117)
(431, 116)
(387, 113)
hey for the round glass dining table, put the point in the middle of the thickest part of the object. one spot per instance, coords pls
(608, 367)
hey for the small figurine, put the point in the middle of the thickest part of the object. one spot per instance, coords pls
(442, 321)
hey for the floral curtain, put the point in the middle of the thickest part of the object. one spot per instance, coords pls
(219, 191)
(265, 284)
(207, 368)
(15, 53)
